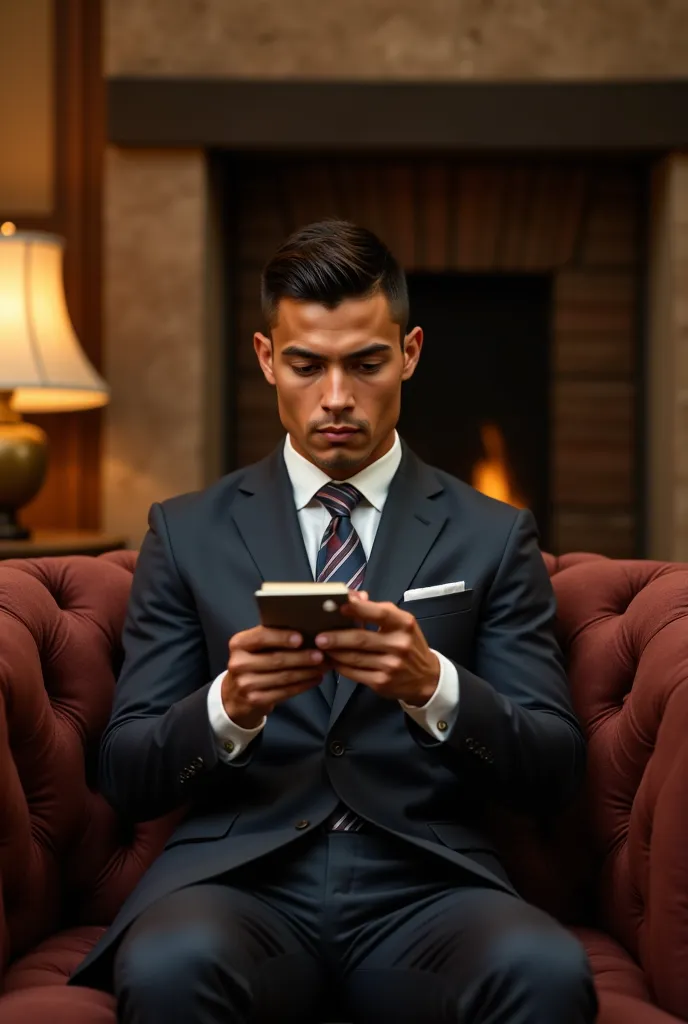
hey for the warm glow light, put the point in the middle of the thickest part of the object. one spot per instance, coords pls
(491, 475)
(41, 360)
(7, 228)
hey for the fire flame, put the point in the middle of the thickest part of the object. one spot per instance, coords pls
(491, 475)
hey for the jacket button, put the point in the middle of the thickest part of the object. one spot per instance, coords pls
(337, 748)
(302, 824)
(470, 744)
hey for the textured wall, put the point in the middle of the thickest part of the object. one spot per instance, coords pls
(154, 331)
(399, 38)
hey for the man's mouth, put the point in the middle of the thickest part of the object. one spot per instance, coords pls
(338, 433)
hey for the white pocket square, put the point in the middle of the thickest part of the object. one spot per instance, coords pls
(440, 591)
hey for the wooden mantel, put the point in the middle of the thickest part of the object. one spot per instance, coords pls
(544, 116)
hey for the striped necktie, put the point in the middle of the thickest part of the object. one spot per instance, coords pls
(341, 559)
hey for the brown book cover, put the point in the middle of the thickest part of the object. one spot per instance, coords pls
(307, 608)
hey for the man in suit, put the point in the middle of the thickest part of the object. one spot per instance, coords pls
(333, 858)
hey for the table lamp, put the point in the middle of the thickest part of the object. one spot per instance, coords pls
(42, 365)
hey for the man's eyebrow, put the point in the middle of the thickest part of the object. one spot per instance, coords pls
(304, 353)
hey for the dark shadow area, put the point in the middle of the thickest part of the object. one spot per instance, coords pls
(485, 365)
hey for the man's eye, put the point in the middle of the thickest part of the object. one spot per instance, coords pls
(369, 367)
(305, 370)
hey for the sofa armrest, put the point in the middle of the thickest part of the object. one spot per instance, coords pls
(65, 857)
(625, 629)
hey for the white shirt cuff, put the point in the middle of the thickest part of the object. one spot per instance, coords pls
(438, 715)
(231, 738)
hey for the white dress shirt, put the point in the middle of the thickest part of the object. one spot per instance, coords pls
(373, 483)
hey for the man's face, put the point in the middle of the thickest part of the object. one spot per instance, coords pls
(338, 374)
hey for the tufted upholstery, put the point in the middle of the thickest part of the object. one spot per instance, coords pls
(614, 867)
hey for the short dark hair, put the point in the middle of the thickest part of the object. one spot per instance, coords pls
(330, 261)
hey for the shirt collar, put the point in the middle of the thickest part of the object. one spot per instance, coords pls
(373, 482)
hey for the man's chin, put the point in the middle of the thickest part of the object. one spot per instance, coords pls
(338, 459)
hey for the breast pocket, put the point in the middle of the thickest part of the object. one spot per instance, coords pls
(446, 604)
(446, 622)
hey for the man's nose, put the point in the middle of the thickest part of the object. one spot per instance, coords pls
(336, 394)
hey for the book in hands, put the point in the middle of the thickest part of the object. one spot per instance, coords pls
(307, 608)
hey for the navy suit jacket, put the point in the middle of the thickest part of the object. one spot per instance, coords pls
(516, 739)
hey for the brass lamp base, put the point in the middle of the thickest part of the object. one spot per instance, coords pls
(23, 464)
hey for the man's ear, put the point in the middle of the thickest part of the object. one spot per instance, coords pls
(413, 343)
(263, 349)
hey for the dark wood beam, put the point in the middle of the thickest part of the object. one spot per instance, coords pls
(516, 116)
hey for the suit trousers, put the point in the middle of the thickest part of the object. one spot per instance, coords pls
(349, 926)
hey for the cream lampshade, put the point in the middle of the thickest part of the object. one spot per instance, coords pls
(42, 365)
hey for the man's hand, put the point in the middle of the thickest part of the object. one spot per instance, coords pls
(395, 661)
(266, 667)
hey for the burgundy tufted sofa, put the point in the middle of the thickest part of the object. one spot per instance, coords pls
(614, 868)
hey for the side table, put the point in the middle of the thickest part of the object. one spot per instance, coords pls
(61, 542)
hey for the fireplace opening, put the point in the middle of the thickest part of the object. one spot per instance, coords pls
(478, 404)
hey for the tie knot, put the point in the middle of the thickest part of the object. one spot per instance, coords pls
(339, 499)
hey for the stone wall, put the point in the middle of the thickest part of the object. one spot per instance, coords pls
(155, 329)
(435, 39)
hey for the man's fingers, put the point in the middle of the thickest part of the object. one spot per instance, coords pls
(392, 642)
(352, 639)
(264, 681)
(261, 638)
(382, 613)
(274, 661)
(345, 660)
(268, 696)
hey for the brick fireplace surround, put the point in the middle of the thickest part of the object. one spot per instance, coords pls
(619, 257)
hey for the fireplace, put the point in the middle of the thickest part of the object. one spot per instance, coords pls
(527, 278)
(477, 406)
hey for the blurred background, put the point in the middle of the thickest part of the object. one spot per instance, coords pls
(526, 160)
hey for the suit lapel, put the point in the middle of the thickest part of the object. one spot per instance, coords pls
(411, 522)
(266, 518)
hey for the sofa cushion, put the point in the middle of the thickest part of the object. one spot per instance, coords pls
(613, 968)
(35, 987)
(621, 987)
(53, 960)
(57, 1004)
